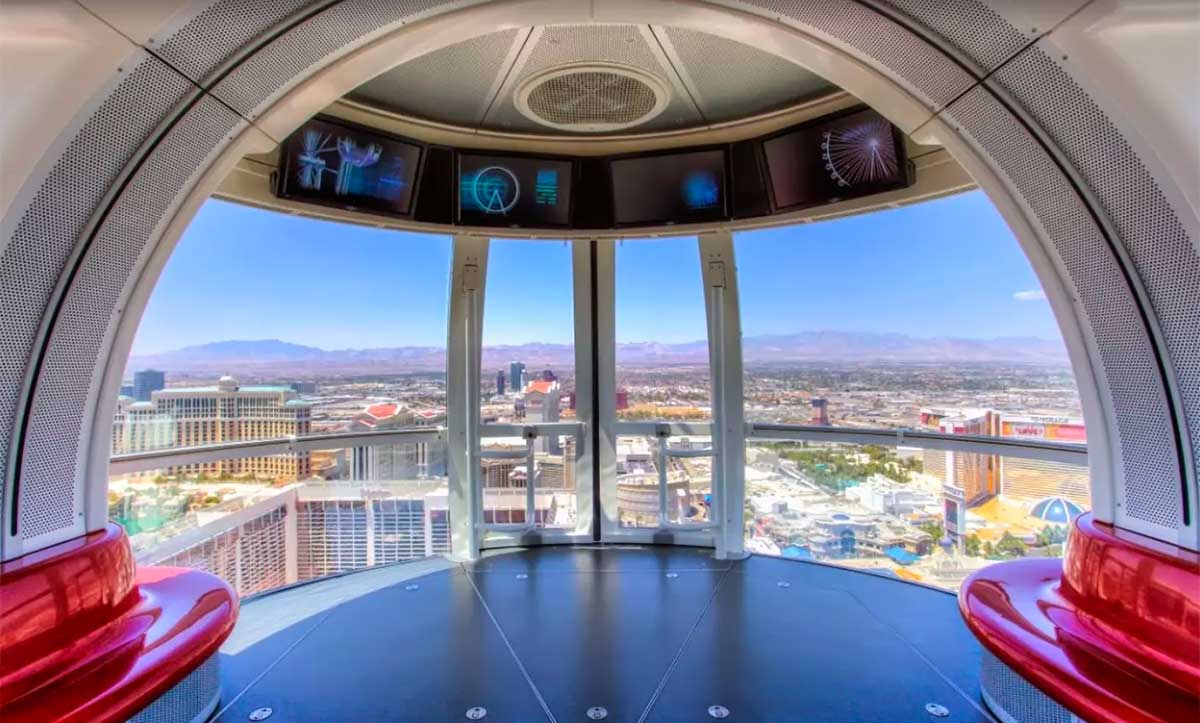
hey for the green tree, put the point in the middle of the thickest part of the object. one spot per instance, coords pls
(1010, 546)
(934, 529)
(973, 545)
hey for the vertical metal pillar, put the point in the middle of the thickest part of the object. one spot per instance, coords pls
(464, 338)
(586, 497)
(725, 363)
(604, 411)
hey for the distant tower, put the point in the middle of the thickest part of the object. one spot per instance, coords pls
(516, 376)
(820, 414)
(500, 383)
(147, 382)
(548, 376)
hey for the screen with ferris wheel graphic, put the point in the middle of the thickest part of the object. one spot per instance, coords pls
(514, 191)
(832, 159)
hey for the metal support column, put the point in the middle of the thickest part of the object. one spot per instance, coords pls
(586, 496)
(463, 342)
(725, 362)
(604, 339)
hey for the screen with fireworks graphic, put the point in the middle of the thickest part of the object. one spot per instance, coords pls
(345, 166)
(832, 159)
(669, 188)
(514, 191)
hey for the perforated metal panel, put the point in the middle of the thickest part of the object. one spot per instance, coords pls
(626, 45)
(1013, 699)
(43, 240)
(984, 37)
(1164, 255)
(202, 44)
(732, 80)
(88, 317)
(189, 698)
(330, 33)
(454, 84)
(894, 50)
(1149, 459)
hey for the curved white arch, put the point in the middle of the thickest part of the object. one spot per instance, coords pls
(924, 89)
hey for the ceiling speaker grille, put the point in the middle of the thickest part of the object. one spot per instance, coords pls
(592, 98)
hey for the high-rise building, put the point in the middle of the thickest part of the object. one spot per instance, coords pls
(820, 413)
(402, 461)
(302, 532)
(146, 382)
(548, 375)
(1035, 479)
(516, 375)
(500, 383)
(226, 412)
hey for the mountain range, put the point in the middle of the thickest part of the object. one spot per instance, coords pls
(281, 357)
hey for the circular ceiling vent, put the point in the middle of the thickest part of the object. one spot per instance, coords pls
(592, 97)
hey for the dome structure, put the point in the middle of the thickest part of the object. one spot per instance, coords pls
(1057, 510)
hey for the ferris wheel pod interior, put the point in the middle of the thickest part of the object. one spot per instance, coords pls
(1078, 118)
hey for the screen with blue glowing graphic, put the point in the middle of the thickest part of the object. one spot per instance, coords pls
(669, 188)
(514, 191)
(345, 166)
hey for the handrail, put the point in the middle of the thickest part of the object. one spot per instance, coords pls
(663, 429)
(1076, 454)
(148, 460)
(529, 431)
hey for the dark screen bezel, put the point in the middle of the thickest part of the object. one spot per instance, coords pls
(902, 159)
(725, 191)
(458, 157)
(284, 185)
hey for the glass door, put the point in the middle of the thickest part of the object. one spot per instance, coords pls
(592, 412)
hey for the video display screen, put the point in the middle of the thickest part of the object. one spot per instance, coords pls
(343, 166)
(514, 191)
(834, 159)
(673, 188)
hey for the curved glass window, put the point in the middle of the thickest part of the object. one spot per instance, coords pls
(269, 326)
(528, 379)
(926, 317)
(662, 339)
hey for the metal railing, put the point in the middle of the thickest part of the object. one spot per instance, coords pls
(1068, 453)
(529, 434)
(154, 459)
(663, 431)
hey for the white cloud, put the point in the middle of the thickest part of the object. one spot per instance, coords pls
(1030, 295)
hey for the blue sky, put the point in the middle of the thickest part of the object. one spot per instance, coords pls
(944, 268)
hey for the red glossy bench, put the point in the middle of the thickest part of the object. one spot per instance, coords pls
(87, 636)
(1112, 633)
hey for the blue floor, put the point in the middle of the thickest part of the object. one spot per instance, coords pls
(647, 633)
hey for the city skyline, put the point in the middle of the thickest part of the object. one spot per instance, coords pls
(912, 275)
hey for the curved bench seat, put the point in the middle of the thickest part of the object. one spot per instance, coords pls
(1112, 632)
(87, 636)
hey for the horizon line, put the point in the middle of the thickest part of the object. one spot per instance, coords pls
(571, 344)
